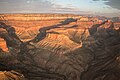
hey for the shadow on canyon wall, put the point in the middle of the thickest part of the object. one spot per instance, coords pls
(96, 56)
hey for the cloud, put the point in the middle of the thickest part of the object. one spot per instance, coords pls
(25, 6)
(112, 3)
(37, 6)
(68, 8)
(71, 10)
(99, 0)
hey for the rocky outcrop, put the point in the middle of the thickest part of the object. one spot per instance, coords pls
(28, 29)
(62, 51)
(11, 75)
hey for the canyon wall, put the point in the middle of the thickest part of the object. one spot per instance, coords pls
(27, 27)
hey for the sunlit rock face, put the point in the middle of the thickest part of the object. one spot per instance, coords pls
(11, 75)
(27, 27)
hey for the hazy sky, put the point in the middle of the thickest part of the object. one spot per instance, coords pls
(90, 7)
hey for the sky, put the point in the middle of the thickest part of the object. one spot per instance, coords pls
(83, 7)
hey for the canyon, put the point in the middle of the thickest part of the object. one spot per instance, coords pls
(58, 47)
(27, 27)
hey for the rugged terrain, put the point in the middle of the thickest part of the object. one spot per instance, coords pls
(44, 47)
(27, 27)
